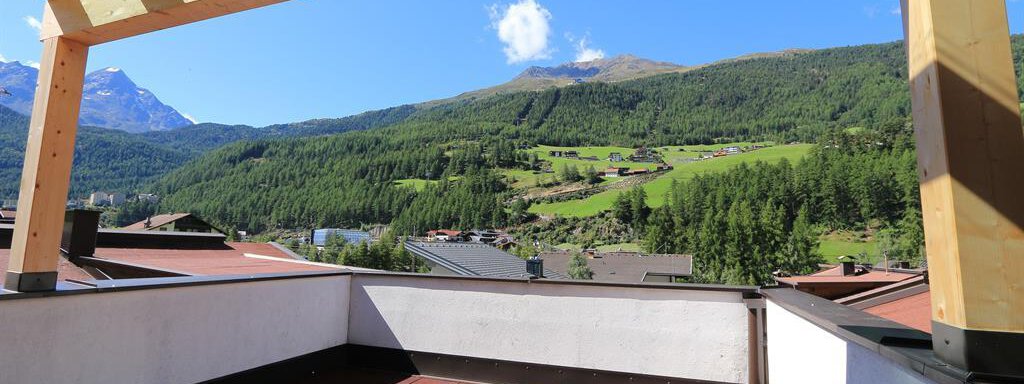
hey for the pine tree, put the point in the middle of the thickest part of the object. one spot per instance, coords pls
(578, 268)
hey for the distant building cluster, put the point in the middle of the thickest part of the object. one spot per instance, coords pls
(352, 236)
(477, 236)
(111, 199)
(103, 199)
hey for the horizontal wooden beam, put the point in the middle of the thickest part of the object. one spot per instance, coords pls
(94, 22)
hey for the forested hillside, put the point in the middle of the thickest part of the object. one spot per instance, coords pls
(111, 160)
(105, 159)
(345, 179)
(757, 219)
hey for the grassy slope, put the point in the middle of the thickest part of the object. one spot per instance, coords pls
(845, 243)
(657, 189)
(600, 152)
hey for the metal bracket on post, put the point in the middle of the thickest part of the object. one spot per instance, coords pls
(30, 281)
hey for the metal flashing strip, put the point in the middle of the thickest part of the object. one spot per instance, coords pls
(904, 346)
(749, 292)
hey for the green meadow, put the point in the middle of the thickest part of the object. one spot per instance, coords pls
(657, 189)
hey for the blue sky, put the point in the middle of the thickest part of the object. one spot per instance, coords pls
(328, 58)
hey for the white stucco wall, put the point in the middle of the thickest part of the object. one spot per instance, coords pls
(170, 335)
(680, 333)
(801, 352)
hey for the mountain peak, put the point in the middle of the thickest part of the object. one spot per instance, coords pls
(110, 99)
(617, 68)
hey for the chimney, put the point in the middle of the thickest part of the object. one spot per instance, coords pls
(535, 266)
(79, 237)
(849, 268)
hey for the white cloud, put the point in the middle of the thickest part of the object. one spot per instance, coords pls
(523, 28)
(3, 59)
(585, 53)
(33, 22)
(31, 63)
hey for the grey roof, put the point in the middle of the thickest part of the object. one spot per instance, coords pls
(474, 259)
(624, 267)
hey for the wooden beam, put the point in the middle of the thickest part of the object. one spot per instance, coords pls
(970, 147)
(47, 169)
(99, 21)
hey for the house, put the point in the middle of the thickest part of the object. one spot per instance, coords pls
(97, 199)
(445, 235)
(637, 172)
(615, 156)
(352, 236)
(473, 260)
(148, 198)
(7, 216)
(626, 267)
(615, 172)
(173, 222)
(116, 199)
(732, 150)
(664, 167)
(644, 155)
(482, 236)
(572, 154)
(555, 153)
(844, 280)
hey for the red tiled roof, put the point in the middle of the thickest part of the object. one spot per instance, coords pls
(230, 260)
(156, 221)
(449, 232)
(907, 302)
(913, 311)
(65, 270)
(835, 275)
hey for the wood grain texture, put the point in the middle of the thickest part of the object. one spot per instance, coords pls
(48, 157)
(970, 160)
(99, 21)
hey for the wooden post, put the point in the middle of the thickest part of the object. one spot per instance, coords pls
(47, 169)
(970, 149)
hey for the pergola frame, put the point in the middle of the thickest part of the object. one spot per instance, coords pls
(966, 117)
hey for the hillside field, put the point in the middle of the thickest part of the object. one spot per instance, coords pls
(657, 189)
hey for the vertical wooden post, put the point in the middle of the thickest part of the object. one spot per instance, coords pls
(970, 149)
(47, 170)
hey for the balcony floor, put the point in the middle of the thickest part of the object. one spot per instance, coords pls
(370, 376)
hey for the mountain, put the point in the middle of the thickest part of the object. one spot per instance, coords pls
(20, 81)
(618, 68)
(113, 160)
(615, 69)
(110, 99)
(105, 159)
(347, 179)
